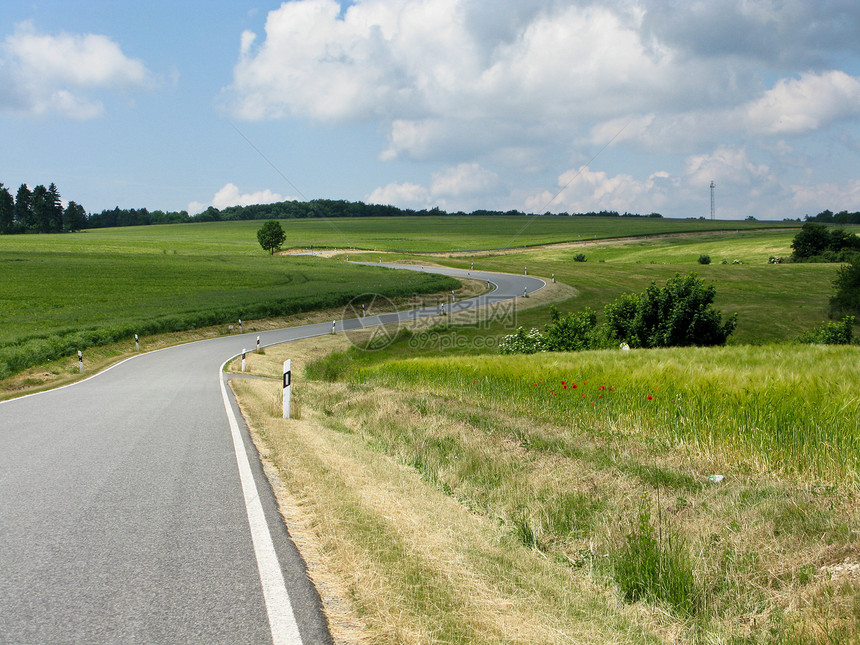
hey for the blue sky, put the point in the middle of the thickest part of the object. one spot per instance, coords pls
(536, 105)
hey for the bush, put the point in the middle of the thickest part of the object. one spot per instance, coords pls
(579, 257)
(522, 342)
(831, 333)
(677, 315)
(704, 259)
(570, 333)
(817, 243)
(846, 300)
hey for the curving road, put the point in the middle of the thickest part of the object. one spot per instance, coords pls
(133, 507)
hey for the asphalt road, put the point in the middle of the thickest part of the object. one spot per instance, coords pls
(133, 507)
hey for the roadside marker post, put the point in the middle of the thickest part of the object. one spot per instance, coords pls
(363, 311)
(332, 325)
(287, 379)
(473, 266)
(553, 278)
(525, 293)
(258, 344)
(243, 359)
(453, 297)
(81, 360)
(240, 325)
(136, 343)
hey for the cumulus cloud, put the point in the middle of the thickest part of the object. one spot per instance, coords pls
(526, 86)
(450, 188)
(43, 74)
(437, 74)
(229, 195)
(796, 106)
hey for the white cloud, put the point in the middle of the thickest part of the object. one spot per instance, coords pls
(464, 179)
(229, 195)
(582, 191)
(451, 188)
(796, 106)
(402, 195)
(686, 92)
(43, 74)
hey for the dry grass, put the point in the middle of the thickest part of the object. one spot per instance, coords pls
(437, 520)
(395, 555)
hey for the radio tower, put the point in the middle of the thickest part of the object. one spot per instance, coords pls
(713, 185)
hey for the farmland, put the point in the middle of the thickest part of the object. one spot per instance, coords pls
(704, 495)
(454, 495)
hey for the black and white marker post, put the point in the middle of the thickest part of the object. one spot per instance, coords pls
(287, 379)
(243, 359)
(136, 343)
(240, 325)
(258, 344)
(81, 361)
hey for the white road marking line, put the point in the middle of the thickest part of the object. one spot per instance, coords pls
(282, 621)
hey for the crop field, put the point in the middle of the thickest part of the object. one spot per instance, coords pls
(54, 303)
(414, 234)
(680, 495)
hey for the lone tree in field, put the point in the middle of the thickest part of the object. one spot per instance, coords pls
(271, 236)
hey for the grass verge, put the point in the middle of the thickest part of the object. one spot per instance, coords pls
(464, 481)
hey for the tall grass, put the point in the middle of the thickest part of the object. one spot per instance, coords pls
(789, 408)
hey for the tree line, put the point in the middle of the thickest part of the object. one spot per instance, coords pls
(829, 217)
(38, 211)
(41, 211)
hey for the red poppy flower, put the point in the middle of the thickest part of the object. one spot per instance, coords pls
(650, 397)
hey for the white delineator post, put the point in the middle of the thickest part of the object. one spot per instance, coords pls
(258, 344)
(81, 360)
(287, 379)
(243, 359)
(136, 343)
(332, 325)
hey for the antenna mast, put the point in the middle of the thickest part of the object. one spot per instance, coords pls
(713, 185)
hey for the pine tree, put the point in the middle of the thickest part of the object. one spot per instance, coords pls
(55, 210)
(7, 210)
(24, 207)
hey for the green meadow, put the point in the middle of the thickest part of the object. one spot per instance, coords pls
(775, 302)
(413, 234)
(56, 298)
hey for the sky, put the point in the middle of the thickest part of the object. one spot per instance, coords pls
(535, 105)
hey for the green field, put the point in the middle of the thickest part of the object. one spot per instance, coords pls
(775, 302)
(414, 234)
(53, 303)
(109, 283)
(652, 496)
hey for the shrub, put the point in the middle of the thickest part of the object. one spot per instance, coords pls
(846, 300)
(817, 243)
(579, 257)
(572, 332)
(704, 259)
(831, 333)
(677, 315)
(522, 342)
